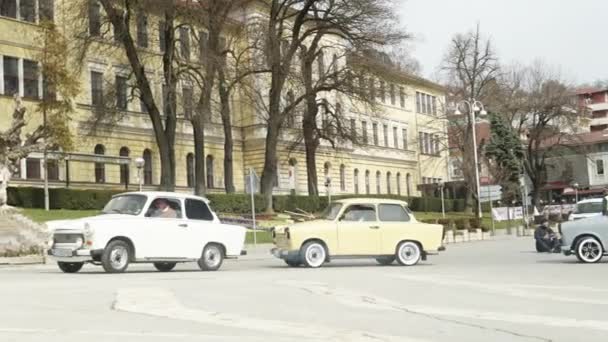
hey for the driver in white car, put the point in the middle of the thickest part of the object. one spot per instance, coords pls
(163, 209)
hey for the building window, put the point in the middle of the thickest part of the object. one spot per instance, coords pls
(203, 45)
(408, 184)
(364, 132)
(166, 100)
(427, 143)
(353, 130)
(388, 182)
(402, 97)
(162, 36)
(121, 93)
(142, 30)
(392, 90)
(375, 133)
(31, 78)
(421, 142)
(209, 169)
(378, 180)
(429, 104)
(52, 169)
(27, 9)
(382, 91)
(399, 183)
(11, 75)
(386, 135)
(147, 155)
(599, 164)
(342, 177)
(96, 89)
(362, 91)
(437, 146)
(356, 180)
(291, 116)
(404, 137)
(124, 168)
(367, 187)
(372, 89)
(187, 98)
(94, 18)
(184, 38)
(320, 65)
(190, 170)
(434, 105)
(395, 137)
(100, 168)
(8, 8)
(46, 10)
(32, 168)
(418, 102)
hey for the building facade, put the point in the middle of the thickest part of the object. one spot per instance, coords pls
(401, 137)
(594, 101)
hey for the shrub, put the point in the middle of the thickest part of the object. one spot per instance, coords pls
(448, 224)
(462, 224)
(458, 205)
(475, 222)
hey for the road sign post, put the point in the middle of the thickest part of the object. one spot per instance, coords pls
(252, 188)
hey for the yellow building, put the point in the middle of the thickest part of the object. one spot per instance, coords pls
(403, 139)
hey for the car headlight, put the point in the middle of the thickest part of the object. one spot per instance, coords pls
(79, 242)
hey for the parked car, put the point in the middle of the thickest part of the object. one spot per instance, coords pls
(588, 238)
(586, 208)
(146, 227)
(358, 228)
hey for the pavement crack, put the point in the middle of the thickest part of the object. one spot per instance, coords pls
(472, 325)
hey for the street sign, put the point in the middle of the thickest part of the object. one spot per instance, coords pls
(490, 193)
(252, 182)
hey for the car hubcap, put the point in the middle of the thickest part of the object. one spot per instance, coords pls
(409, 253)
(590, 250)
(315, 255)
(212, 256)
(119, 257)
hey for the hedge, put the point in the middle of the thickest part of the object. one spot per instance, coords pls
(72, 199)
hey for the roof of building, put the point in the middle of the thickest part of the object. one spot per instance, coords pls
(590, 90)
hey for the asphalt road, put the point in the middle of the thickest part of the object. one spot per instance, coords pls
(484, 291)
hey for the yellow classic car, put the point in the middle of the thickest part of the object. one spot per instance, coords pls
(358, 228)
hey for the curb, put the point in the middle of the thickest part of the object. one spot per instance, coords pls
(24, 260)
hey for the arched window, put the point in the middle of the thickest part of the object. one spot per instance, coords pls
(209, 166)
(388, 182)
(356, 181)
(100, 168)
(408, 184)
(147, 155)
(399, 183)
(342, 177)
(190, 170)
(367, 190)
(291, 116)
(378, 180)
(293, 174)
(124, 168)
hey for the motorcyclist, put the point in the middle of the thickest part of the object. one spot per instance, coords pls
(546, 239)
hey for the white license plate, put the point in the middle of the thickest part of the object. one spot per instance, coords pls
(62, 252)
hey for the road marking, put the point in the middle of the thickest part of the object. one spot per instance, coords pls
(359, 300)
(162, 303)
(514, 290)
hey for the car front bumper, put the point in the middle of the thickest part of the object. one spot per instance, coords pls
(78, 255)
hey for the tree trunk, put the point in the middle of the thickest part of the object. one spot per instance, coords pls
(311, 140)
(198, 128)
(311, 145)
(270, 166)
(228, 139)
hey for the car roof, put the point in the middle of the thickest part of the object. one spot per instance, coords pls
(165, 194)
(363, 200)
(591, 200)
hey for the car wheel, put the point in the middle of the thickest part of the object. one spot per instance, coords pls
(293, 263)
(70, 267)
(408, 253)
(165, 266)
(212, 258)
(313, 254)
(115, 258)
(589, 250)
(385, 261)
(539, 247)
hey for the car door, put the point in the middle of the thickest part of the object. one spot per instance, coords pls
(396, 226)
(166, 228)
(201, 227)
(359, 230)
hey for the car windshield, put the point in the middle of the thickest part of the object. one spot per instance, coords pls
(331, 212)
(588, 208)
(125, 204)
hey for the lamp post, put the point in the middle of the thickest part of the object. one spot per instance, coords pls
(576, 185)
(474, 106)
(441, 187)
(140, 163)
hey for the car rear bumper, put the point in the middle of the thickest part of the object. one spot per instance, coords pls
(284, 254)
(567, 250)
(78, 255)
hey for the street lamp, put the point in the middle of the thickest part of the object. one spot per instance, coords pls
(441, 187)
(139, 163)
(576, 185)
(474, 106)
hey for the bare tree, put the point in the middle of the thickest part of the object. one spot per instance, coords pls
(471, 68)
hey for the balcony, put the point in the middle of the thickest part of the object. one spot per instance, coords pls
(598, 106)
(599, 121)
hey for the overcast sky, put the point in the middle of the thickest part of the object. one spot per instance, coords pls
(569, 34)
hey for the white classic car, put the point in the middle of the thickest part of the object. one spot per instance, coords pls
(146, 227)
